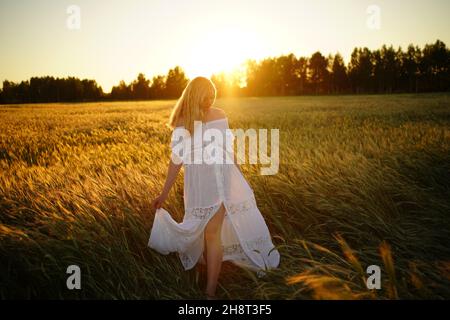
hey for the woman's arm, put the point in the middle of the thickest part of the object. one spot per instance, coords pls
(172, 173)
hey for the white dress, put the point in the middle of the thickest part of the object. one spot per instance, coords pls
(245, 236)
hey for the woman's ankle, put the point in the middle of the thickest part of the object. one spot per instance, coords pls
(210, 296)
(209, 293)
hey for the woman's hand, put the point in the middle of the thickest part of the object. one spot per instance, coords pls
(172, 172)
(159, 200)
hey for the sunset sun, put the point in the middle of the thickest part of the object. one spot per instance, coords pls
(223, 50)
(239, 151)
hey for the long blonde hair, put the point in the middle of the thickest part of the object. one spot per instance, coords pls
(188, 105)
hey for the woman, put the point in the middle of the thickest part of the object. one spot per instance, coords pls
(220, 208)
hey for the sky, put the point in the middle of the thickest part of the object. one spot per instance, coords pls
(115, 40)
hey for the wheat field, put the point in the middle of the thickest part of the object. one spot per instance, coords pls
(363, 180)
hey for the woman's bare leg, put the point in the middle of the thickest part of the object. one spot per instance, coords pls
(214, 250)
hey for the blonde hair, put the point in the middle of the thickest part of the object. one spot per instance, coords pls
(188, 105)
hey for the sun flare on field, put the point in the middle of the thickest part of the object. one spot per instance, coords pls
(223, 50)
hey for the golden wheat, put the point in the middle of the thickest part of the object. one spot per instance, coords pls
(363, 180)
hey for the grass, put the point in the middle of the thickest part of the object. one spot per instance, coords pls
(363, 180)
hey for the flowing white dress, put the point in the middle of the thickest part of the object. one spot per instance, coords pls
(245, 236)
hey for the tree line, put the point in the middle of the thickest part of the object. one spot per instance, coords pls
(386, 70)
(50, 89)
(169, 86)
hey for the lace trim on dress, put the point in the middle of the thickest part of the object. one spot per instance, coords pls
(233, 208)
(259, 245)
(185, 260)
(202, 213)
(242, 207)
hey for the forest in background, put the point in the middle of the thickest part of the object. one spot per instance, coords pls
(383, 71)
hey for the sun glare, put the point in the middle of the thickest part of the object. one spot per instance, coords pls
(224, 50)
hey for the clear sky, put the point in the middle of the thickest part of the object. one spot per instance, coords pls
(118, 39)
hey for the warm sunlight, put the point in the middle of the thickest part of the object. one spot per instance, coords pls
(202, 37)
(192, 150)
(223, 50)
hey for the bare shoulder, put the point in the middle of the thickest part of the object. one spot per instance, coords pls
(215, 114)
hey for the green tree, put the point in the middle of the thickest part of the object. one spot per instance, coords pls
(318, 67)
(140, 87)
(339, 78)
(176, 81)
